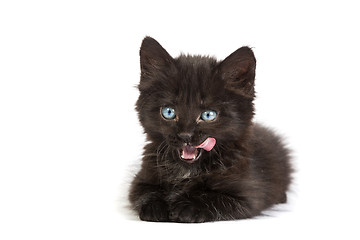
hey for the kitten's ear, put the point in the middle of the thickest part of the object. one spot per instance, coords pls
(238, 72)
(153, 56)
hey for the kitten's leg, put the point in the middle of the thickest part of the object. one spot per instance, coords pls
(208, 206)
(148, 201)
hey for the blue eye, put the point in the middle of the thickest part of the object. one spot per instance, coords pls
(208, 115)
(168, 113)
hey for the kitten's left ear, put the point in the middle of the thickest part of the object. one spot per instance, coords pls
(238, 72)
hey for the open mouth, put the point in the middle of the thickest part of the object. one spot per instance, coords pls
(191, 153)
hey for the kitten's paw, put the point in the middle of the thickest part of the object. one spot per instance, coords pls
(190, 211)
(155, 211)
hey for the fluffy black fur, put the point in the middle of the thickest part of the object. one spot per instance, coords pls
(246, 172)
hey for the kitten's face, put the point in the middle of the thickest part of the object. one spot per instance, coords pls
(193, 106)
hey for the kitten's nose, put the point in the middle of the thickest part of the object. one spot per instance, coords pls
(185, 136)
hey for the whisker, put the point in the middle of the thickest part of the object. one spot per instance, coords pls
(159, 154)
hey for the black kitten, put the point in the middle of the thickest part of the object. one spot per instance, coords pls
(206, 160)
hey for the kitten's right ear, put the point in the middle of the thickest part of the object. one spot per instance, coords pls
(153, 57)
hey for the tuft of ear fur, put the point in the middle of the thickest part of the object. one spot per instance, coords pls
(238, 72)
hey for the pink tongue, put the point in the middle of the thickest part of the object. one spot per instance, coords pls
(208, 144)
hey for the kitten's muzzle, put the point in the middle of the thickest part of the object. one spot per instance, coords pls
(190, 153)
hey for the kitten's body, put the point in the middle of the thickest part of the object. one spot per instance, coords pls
(245, 172)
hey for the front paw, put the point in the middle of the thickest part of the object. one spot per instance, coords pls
(154, 211)
(187, 210)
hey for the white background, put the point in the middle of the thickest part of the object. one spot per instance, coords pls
(70, 139)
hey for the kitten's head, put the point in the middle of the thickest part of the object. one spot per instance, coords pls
(189, 103)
